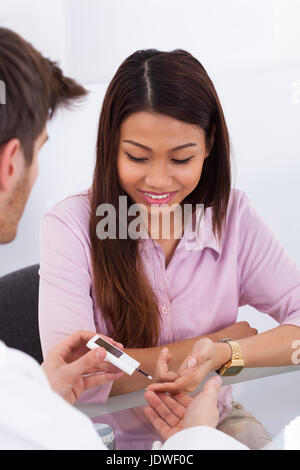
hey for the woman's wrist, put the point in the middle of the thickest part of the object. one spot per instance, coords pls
(222, 355)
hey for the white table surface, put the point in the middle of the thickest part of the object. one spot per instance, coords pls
(271, 394)
(274, 400)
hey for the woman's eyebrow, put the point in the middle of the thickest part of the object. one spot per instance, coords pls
(179, 147)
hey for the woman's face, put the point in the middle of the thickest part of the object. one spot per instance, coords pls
(160, 159)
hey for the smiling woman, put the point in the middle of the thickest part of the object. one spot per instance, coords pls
(160, 109)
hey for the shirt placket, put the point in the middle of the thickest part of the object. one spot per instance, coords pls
(165, 305)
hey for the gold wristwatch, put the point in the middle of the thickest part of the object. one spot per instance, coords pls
(236, 363)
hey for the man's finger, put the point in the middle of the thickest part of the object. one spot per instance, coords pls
(212, 386)
(167, 414)
(172, 405)
(103, 366)
(98, 379)
(182, 399)
(159, 424)
(90, 360)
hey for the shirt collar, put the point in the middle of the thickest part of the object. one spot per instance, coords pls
(204, 230)
(190, 242)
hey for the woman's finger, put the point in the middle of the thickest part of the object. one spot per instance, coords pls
(184, 383)
(161, 367)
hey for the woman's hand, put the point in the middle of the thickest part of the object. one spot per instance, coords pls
(170, 414)
(68, 362)
(162, 373)
(205, 357)
(238, 330)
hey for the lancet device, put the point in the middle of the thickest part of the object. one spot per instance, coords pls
(116, 356)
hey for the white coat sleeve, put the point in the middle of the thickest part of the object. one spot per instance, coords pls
(32, 416)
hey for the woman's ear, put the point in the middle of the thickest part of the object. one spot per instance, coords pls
(211, 140)
(9, 163)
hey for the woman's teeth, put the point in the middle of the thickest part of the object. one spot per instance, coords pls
(158, 197)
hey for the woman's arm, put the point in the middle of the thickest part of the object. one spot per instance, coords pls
(269, 281)
(269, 349)
(272, 348)
(179, 350)
(65, 302)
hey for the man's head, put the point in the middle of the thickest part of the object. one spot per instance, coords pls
(35, 88)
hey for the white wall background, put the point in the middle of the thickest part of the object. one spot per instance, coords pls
(251, 50)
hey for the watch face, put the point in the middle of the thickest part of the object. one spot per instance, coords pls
(233, 370)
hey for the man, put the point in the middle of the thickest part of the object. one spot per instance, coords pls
(35, 411)
(34, 88)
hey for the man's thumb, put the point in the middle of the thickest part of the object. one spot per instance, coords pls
(213, 385)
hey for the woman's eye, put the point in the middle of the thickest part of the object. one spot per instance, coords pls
(134, 159)
(182, 162)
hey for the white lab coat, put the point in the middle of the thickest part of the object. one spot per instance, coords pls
(33, 416)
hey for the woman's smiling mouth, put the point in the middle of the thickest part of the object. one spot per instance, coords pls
(157, 198)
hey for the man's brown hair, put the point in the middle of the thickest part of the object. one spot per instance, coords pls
(35, 87)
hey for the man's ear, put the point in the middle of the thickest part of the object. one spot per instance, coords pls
(8, 163)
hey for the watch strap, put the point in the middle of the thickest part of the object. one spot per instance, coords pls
(236, 363)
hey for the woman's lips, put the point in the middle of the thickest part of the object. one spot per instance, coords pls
(157, 198)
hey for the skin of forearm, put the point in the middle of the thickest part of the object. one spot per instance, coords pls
(147, 358)
(272, 348)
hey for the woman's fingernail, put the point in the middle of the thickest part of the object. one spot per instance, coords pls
(192, 363)
(164, 350)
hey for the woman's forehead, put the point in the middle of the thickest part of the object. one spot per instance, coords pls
(150, 129)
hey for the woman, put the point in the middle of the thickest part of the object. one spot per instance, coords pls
(163, 139)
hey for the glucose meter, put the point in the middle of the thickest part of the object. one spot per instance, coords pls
(116, 356)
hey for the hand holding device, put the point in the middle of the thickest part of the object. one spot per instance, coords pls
(71, 369)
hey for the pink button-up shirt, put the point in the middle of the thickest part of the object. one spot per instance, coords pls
(199, 292)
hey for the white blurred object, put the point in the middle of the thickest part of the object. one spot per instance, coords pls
(292, 435)
(40, 23)
(286, 33)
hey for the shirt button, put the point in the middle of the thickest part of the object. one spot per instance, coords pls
(164, 310)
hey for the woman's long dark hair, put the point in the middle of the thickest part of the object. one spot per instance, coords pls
(174, 84)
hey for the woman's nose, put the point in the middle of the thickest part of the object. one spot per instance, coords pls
(158, 179)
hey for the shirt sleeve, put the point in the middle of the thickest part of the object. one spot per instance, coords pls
(65, 302)
(269, 279)
(202, 438)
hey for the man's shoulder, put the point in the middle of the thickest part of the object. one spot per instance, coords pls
(16, 363)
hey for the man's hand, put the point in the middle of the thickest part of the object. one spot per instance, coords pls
(170, 414)
(68, 362)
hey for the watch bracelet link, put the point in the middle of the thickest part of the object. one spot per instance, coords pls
(236, 356)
